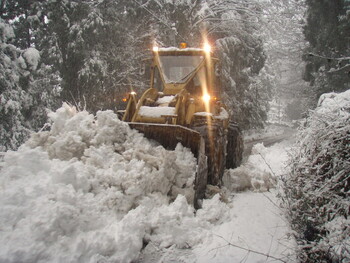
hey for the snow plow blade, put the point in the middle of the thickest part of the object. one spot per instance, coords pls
(169, 136)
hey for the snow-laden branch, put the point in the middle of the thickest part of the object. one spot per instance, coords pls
(339, 59)
(329, 58)
(157, 17)
(339, 69)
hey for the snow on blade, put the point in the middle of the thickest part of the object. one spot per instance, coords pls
(169, 49)
(93, 190)
(165, 100)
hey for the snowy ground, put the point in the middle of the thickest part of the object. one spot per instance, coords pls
(92, 190)
(257, 230)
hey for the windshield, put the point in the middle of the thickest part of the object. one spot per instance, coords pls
(177, 69)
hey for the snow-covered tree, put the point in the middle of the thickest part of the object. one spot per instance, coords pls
(28, 86)
(235, 27)
(91, 51)
(12, 131)
(327, 58)
(282, 32)
(24, 98)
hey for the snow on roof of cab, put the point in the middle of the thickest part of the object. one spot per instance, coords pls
(179, 49)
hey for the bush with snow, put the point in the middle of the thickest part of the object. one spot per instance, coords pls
(317, 191)
(32, 57)
(93, 190)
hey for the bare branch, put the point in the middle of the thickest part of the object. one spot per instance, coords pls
(248, 250)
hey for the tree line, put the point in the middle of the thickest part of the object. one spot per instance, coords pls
(88, 53)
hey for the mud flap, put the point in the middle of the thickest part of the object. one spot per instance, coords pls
(169, 136)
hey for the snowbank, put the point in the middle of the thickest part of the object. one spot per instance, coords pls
(91, 189)
(333, 103)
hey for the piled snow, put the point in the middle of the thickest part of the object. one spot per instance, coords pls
(93, 190)
(260, 172)
(334, 103)
(223, 114)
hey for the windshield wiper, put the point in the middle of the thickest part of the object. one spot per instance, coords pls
(185, 77)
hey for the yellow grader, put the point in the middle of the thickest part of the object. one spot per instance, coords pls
(183, 105)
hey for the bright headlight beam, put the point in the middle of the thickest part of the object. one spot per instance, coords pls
(206, 98)
(155, 49)
(207, 47)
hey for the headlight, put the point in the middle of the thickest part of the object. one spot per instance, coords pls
(207, 48)
(155, 49)
(206, 98)
(133, 93)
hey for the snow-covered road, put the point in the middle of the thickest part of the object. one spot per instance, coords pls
(256, 232)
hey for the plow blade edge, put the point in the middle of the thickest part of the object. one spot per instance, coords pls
(169, 136)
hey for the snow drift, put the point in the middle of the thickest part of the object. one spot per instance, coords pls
(93, 190)
(260, 172)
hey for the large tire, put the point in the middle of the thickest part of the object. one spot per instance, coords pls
(215, 149)
(234, 146)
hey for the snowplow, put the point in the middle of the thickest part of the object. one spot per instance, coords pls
(183, 105)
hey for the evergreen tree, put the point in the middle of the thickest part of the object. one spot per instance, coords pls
(282, 32)
(327, 30)
(91, 51)
(234, 26)
(27, 89)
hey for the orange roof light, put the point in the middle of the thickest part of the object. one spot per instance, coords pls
(183, 45)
